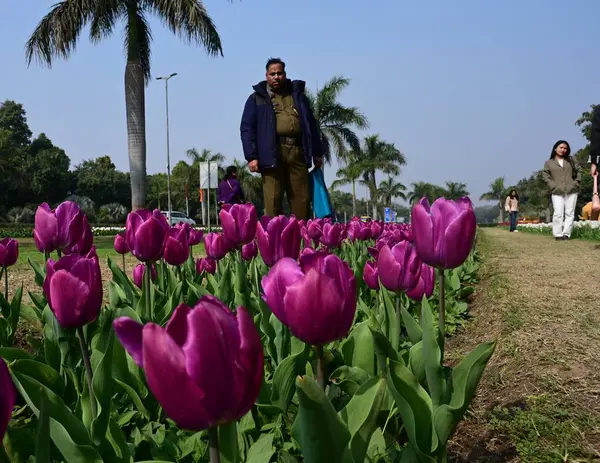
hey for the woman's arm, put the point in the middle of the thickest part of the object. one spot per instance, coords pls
(547, 176)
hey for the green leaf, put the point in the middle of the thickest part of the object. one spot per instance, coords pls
(225, 284)
(196, 292)
(454, 280)
(391, 329)
(116, 295)
(463, 383)
(124, 282)
(229, 445)
(412, 327)
(282, 339)
(266, 327)
(31, 314)
(116, 439)
(39, 301)
(318, 429)
(432, 356)
(67, 432)
(262, 450)
(241, 286)
(42, 440)
(417, 362)
(42, 373)
(414, 405)
(17, 444)
(39, 272)
(285, 377)
(176, 298)
(361, 413)
(377, 446)
(383, 347)
(14, 353)
(358, 349)
(349, 379)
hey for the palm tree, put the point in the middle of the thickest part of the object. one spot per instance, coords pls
(336, 121)
(390, 189)
(58, 32)
(378, 155)
(424, 190)
(204, 156)
(349, 174)
(251, 184)
(496, 193)
(455, 190)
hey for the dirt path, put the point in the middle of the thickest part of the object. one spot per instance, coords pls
(540, 397)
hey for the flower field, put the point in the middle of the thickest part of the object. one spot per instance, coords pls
(585, 229)
(289, 341)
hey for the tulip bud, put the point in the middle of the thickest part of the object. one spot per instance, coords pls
(145, 233)
(278, 238)
(73, 288)
(216, 245)
(121, 244)
(193, 390)
(207, 264)
(399, 267)
(84, 244)
(57, 229)
(332, 235)
(195, 236)
(444, 234)
(249, 251)
(425, 285)
(8, 397)
(177, 248)
(9, 252)
(239, 223)
(371, 275)
(138, 274)
(316, 299)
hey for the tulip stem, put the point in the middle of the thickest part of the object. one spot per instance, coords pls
(442, 311)
(320, 366)
(85, 355)
(5, 271)
(396, 340)
(124, 268)
(213, 442)
(148, 282)
(59, 253)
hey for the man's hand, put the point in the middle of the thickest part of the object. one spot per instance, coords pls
(594, 170)
(253, 166)
(318, 162)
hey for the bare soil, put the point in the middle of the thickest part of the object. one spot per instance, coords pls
(539, 399)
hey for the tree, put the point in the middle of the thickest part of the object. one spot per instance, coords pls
(455, 190)
(585, 122)
(157, 191)
(48, 172)
(99, 180)
(425, 190)
(378, 155)
(349, 174)
(390, 189)
(13, 120)
(58, 32)
(336, 121)
(204, 156)
(497, 193)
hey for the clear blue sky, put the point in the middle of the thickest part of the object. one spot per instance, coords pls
(469, 90)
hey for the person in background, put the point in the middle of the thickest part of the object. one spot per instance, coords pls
(230, 189)
(562, 175)
(587, 213)
(281, 139)
(511, 205)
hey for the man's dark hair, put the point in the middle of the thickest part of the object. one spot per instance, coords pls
(273, 61)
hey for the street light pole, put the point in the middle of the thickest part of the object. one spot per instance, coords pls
(166, 79)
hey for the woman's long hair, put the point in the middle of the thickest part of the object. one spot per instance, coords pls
(567, 156)
(229, 172)
(516, 196)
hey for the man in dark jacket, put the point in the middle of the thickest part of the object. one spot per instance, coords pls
(595, 140)
(281, 140)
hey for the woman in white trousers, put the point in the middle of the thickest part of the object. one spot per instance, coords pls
(562, 175)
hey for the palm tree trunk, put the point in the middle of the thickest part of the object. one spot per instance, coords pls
(135, 107)
(501, 212)
(353, 198)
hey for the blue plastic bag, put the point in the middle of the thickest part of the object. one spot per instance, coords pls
(319, 197)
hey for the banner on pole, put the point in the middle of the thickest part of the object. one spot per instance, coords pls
(209, 170)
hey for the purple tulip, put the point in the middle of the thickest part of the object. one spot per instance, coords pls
(207, 264)
(371, 275)
(376, 229)
(314, 229)
(316, 299)
(332, 235)
(249, 251)
(8, 397)
(145, 232)
(138, 274)
(216, 245)
(177, 247)
(57, 229)
(425, 285)
(444, 233)
(239, 223)
(121, 244)
(399, 267)
(9, 252)
(73, 288)
(84, 244)
(278, 238)
(195, 236)
(205, 368)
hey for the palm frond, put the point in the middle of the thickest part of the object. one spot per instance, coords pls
(189, 20)
(138, 37)
(104, 17)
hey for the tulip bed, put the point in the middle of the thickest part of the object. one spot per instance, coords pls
(288, 342)
(27, 231)
(584, 229)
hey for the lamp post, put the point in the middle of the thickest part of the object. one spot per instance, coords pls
(166, 79)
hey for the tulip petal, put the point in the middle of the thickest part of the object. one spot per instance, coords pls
(46, 228)
(8, 397)
(69, 298)
(422, 225)
(461, 233)
(283, 274)
(129, 333)
(177, 327)
(164, 365)
(230, 229)
(149, 240)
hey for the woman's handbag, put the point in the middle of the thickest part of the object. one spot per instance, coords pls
(595, 197)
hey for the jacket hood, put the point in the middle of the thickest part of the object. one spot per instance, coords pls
(297, 86)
